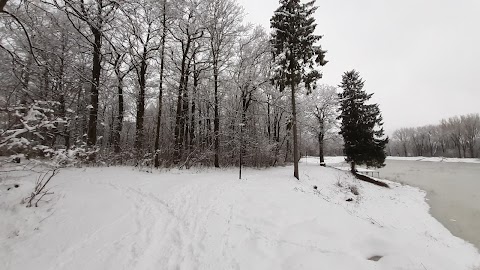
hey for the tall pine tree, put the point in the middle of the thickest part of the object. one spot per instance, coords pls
(295, 54)
(361, 126)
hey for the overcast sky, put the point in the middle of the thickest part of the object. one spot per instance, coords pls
(421, 58)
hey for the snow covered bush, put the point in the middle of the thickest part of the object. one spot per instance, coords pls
(33, 133)
(31, 129)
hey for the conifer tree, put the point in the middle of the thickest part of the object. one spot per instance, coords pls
(295, 54)
(361, 125)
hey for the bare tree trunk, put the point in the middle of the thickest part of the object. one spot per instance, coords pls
(118, 127)
(140, 119)
(160, 94)
(180, 117)
(295, 139)
(320, 149)
(196, 74)
(268, 118)
(97, 66)
(216, 120)
(208, 126)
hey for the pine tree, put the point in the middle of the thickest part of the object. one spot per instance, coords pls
(295, 54)
(361, 125)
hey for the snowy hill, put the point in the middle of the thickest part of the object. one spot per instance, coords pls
(122, 218)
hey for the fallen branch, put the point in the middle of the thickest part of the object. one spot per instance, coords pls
(39, 192)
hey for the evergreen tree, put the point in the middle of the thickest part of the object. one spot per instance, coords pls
(295, 54)
(361, 125)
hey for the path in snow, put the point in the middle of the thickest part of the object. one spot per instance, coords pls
(120, 218)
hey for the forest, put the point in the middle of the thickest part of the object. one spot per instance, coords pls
(164, 83)
(457, 136)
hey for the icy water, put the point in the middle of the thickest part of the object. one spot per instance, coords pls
(453, 192)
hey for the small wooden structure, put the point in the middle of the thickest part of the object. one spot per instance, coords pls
(369, 172)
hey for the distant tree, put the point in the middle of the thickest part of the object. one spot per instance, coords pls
(455, 136)
(401, 135)
(361, 125)
(471, 131)
(295, 54)
(453, 127)
(322, 109)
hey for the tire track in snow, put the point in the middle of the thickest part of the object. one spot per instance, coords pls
(163, 232)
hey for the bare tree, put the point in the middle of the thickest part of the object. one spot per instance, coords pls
(251, 74)
(455, 136)
(185, 32)
(96, 14)
(160, 84)
(223, 26)
(323, 107)
(401, 135)
(471, 131)
(144, 29)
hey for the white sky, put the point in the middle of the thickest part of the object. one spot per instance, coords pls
(421, 58)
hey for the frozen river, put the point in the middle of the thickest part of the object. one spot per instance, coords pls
(453, 192)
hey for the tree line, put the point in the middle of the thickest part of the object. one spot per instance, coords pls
(457, 136)
(164, 83)
(168, 82)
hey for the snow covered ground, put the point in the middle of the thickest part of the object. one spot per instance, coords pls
(340, 159)
(123, 218)
(436, 159)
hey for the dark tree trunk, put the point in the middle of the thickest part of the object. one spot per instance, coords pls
(118, 127)
(216, 120)
(139, 134)
(208, 126)
(160, 94)
(180, 117)
(185, 128)
(196, 75)
(97, 66)
(268, 119)
(320, 149)
(294, 131)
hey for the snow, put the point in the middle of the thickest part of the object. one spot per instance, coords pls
(437, 159)
(341, 159)
(123, 218)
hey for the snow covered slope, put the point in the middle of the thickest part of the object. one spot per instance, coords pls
(121, 218)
